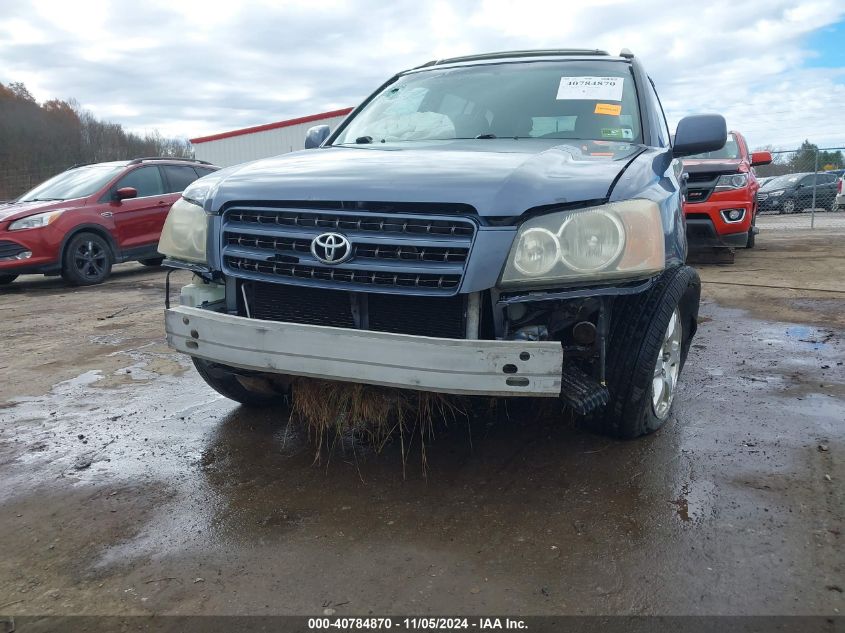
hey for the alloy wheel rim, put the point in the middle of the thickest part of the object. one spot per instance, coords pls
(667, 368)
(90, 259)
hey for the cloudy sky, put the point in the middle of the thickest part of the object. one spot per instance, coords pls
(774, 68)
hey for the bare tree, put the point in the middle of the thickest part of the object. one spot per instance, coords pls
(38, 141)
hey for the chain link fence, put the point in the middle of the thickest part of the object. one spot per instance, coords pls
(803, 188)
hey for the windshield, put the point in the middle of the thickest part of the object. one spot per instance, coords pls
(781, 182)
(728, 152)
(74, 183)
(566, 100)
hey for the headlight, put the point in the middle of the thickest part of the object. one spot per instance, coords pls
(732, 181)
(775, 194)
(614, 241)
(36, 221)
(185, 232)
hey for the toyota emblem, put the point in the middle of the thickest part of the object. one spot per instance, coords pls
(331, 248)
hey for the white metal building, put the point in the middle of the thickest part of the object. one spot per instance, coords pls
(261, 141)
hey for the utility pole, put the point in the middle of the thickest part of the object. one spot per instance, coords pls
(815, 181)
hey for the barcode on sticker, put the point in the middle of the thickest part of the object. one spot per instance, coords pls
(595, 88)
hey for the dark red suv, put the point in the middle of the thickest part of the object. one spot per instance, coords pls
(81, 222)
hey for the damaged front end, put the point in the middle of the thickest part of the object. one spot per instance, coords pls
(549, 343)
(397, 295)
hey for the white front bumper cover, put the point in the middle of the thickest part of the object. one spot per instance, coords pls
(472, 367)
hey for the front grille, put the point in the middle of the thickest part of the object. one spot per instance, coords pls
(701, 184)
(294, 304)
(413, 253)
(698, 195)
(347, 221)
(442, 317)
(339, 276)
(420, 316)
(10, 249)
(371, 251)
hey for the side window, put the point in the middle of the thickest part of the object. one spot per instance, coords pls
(204, 171)
(662, 126)
(147, 180)
(179, 177)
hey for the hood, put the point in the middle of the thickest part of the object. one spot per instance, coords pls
(498, 177)
(721, 166)
(15, 211)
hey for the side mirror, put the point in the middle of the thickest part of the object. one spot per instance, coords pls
(761, 158)
(700, 133)
(315, 136)
(125, 193)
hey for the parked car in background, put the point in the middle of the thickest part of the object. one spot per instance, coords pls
(792, 193)
(82, 221)
(720, 205)
(839, 200)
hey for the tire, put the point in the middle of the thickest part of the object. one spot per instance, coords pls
(152, 262)
(788, 206)
(87, 260)
(640, 331)
(752, 234)
(225, 382)
(5, 280)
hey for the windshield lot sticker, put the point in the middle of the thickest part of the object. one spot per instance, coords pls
(627, 134)
(608, 108)
(612, 132)
(595, 88)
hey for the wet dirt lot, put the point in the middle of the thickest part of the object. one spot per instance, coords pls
(129, 487)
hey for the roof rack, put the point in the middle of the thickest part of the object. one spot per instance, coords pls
(549, 52)
(136, 161)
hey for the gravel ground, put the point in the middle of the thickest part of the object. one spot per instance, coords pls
(129, 487)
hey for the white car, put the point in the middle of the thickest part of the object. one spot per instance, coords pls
(839, 200)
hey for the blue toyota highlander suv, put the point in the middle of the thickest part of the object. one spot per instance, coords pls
(506, 224)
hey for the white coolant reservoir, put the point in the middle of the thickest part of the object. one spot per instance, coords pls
(198, 292)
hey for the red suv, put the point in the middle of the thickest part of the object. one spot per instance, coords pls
(721, 197)
(81, 222)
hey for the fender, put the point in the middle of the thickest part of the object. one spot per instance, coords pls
(91, 227)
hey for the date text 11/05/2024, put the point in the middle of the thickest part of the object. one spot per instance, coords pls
(413, 624)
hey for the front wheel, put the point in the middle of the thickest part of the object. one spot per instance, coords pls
(5, 280)
(752, 233)
(789, 205)
(648, 344)
(87, 260)
(247, 390)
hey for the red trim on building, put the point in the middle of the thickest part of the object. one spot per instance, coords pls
(273, 126)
